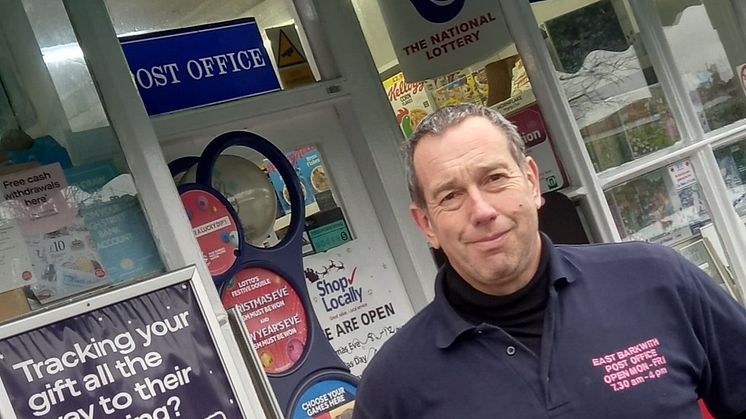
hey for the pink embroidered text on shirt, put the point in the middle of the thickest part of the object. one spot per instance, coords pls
(632, 366)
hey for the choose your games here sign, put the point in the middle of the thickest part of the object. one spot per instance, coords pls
(199, 66)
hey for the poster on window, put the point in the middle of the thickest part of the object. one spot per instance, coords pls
(64, 257)
(535, 135)
(151, 356)
(359, 301)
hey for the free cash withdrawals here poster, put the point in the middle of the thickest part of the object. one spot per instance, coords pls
(65, 260)
(148, 357)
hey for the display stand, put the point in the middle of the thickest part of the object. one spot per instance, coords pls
(268, 285)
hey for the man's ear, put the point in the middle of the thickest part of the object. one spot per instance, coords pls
(422, 219)
(532, 174)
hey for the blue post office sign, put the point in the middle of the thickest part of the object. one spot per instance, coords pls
(199, 66)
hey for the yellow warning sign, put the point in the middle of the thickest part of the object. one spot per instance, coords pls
(288, 53)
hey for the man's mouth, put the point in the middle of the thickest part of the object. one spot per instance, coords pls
(491, 240)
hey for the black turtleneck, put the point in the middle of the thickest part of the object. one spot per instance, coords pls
(520, 314)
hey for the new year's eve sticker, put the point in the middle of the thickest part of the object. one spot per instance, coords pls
(215, 228)
(326, 399)
(273, 313)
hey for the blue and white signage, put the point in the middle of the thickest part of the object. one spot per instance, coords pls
(436, 37)
(200, 66)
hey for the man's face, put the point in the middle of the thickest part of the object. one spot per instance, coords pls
(480, 207)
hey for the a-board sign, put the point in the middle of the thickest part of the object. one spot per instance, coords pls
(147, 355)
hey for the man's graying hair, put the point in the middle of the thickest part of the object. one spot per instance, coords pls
(437, 123)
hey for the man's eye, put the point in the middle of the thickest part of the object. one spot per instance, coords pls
(494, 177)
(448, 197)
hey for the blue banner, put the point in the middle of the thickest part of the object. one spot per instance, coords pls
(148, 357)
(200, 66)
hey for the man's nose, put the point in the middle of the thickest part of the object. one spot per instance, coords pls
(482, 211)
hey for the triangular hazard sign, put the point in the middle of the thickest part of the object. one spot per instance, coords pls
(289, 54)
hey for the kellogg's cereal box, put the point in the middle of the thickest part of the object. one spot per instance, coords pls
(411, 102)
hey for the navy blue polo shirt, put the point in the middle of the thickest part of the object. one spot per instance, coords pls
(631, 330)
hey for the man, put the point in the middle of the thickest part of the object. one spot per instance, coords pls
(521, 328)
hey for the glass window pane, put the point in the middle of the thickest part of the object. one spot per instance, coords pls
(498, 81)
(712, 29)
(732, 162)
(70, 217)
(69, 73)
(65, 64)
(663, 206)
(608, 79)
(666, 206)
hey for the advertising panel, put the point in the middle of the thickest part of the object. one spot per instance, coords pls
(147, 357)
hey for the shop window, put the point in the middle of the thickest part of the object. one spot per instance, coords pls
(608, 79)
(70, 217)
(711, 74)
(732, 162)
(666, 206)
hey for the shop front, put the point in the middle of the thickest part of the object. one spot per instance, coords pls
(142, 224)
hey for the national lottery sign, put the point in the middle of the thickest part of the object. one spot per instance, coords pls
(148, 357)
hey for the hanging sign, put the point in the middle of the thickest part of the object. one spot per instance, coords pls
(150, 356)
(435, 37)
(200, 66)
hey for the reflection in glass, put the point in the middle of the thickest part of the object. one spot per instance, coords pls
(732, 162)
(71, 219)
(610, 84)
(701, 252)
(664, 206)
(709, 74)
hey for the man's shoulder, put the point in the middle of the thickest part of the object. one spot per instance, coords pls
(623, 252)
(627, 264)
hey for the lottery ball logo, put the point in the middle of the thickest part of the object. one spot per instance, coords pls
(438, 11)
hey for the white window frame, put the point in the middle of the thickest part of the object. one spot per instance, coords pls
(695, 145)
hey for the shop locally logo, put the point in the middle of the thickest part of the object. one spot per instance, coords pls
(438, 11)
(340, 292)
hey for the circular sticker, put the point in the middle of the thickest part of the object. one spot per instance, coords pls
(214, 227)
(273, 313)
(327, 399)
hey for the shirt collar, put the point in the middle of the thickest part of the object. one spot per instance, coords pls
(451, 325)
